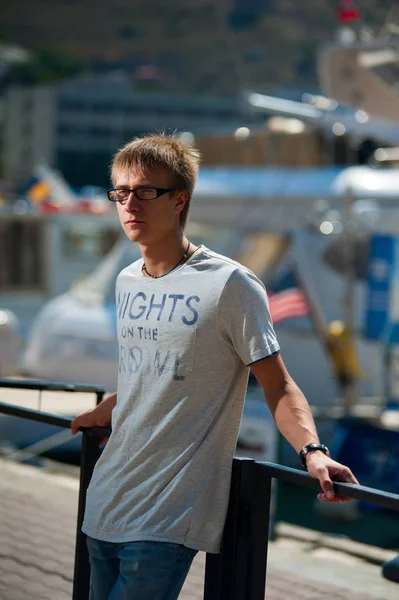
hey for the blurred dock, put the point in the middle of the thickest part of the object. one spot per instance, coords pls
(37, 536)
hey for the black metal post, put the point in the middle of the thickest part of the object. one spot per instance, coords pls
(89, 457)
(99, 396)
(261, 531)
(219, 567)
(239, 571)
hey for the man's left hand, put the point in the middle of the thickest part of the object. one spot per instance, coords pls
(325, 469)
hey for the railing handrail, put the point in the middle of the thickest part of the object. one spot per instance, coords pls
(51, 386)
(350, 490)
(282, 472)
(49, 419)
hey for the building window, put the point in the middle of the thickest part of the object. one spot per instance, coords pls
(85, 243)
(21, 255)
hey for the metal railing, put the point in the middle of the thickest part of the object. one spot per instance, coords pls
(239, 571)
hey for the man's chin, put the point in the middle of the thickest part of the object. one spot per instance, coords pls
(135, 236)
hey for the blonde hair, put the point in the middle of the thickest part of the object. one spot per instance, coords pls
(144, 154)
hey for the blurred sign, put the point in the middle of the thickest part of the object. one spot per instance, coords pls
(382, 303)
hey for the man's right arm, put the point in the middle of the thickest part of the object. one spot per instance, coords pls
(99, 416)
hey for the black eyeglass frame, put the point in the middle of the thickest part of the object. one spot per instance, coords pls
(159, 192)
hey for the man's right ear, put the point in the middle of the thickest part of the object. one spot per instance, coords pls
(181, 201)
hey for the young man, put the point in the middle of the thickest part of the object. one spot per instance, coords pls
(190, 325)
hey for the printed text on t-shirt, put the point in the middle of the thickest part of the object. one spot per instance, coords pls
(141, 306)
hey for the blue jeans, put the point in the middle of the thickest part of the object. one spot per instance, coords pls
(137, 570)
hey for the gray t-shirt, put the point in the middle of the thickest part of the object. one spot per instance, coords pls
(184, 342)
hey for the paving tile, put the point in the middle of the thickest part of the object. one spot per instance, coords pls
(63, 586)
(12, 594)
(37, 588)
(57, 595)
(10, 580)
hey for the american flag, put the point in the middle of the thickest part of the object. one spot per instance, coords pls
(286, 299)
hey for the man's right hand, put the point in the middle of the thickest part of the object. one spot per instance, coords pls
(99, 416)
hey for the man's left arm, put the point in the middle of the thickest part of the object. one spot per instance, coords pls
(294, 419)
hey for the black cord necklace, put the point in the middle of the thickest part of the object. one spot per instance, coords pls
(183, 258)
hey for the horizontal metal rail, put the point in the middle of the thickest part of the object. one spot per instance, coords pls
(51, 386)
(350, 490)
(49, 419)
(287, 474)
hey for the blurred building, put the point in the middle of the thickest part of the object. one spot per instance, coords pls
(76, 126)
(262, 146)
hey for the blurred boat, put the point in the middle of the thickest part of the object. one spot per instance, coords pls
(50, 238)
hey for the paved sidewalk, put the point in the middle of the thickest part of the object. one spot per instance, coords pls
(37, 536)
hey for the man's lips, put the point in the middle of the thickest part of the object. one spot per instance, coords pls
(133, 222)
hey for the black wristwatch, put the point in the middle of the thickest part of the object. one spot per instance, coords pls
(309, 448)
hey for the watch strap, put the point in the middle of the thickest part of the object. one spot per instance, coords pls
(310, 448)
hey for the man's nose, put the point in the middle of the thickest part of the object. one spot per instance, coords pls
(132, 204)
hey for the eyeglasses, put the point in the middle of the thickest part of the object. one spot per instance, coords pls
(142, 193)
